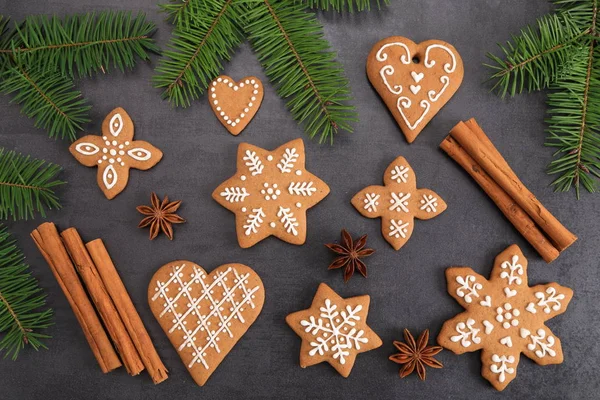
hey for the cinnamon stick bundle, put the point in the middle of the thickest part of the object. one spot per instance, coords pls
(50, 245)
(468, 145)
(135, 327)
(105, 306)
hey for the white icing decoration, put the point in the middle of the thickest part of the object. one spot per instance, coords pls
(227, 295)
(553, 299)
(139, 154)
(288, 160)
(503, 368)
(398, 229)
(400, 173)
(253, 163)
(109, 177)
(507, 341)
(429, 203)
(331, 332)
(301, 188)
(371, 202)
(115, 125)
(388, 70)
(531, 308)
(235, 194)
(231, 118)
(287, 219)
(468, 288)
(415, 89)
(545, 347)
(255, 219)
(449, 68)
(417, 77)
(467, 333)
(87, 149)
(489, 327)
(487, 302)
(433, 96)
(510, 293)
(507, 316)
(399, 202)
(406, 103)
(512, 271)
(270, 192)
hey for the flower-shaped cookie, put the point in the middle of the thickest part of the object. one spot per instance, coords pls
(504, 318)
(270, 193)
(115, 152)
(398, 203)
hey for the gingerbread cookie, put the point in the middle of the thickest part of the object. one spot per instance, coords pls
(398, 203)
(334, 329)
(270, 193)
(414, 80)
(115, 152)
(504, 318)
(204, 315)
(235, 103)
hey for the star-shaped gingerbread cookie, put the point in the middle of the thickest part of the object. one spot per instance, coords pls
(270, 193)
(398, 203)
(334, 330)
(504, 317)
(115, 152)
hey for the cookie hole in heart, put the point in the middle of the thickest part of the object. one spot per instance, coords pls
(416, 59)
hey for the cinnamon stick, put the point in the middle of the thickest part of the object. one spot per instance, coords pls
(481, 149)
(515, 214)
(48, 242)
(135, 327)
(87, 270)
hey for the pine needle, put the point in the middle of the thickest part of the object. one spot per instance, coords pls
(23, 310)
(26, 186)
(343, 5)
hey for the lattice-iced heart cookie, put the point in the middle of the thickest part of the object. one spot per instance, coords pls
(270, 193)
(334, 330)
(115, 152)
(204, 315)
(398, 203)
(504, 318)
(235, 103)
(414, 80)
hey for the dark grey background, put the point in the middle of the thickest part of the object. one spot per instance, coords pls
(407, 287)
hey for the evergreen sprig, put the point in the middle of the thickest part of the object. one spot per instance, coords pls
(561, 54)
(23, 310)
(40, 57)
(289, 42)
(297, 59)
(26, 186)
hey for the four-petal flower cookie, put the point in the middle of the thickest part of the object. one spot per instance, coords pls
(504, 318)
(270, 193)
(115, 152)
(334, 329)
(398, 203)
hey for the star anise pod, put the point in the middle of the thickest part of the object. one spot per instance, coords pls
(416, 354)
(350, 254)
(160, 216)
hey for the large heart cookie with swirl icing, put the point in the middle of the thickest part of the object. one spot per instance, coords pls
(414, 80)
(235, 103)
(204, 315)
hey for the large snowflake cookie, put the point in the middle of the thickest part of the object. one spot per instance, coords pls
(204, 315)
(414, 80)
(334, 329)
(398, 203)
(270, 193)
(115, 152)
(504, 318)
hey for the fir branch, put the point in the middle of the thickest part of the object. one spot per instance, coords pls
(48, 97)
(297, 59)
(26, 186)
(177, 12)
(197, 51)
(342, 5)
(23, 310)
(84, 43)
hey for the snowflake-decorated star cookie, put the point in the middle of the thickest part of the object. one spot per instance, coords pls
(115, 152)
(504, 318)
(398, 203)
(270, 193)
(334, 329)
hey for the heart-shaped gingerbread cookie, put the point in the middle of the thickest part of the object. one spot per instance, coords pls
(235, 103)
(414, 80)
(204, 315)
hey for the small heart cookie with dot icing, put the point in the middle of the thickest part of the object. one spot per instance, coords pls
(235, 103)
(414, 80)
(205, 315)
